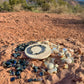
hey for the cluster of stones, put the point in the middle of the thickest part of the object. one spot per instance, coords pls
(18, 65)
(65, 57)
(50, 65)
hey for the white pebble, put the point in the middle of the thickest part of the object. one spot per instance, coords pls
(56, 65)
(52, 71)
(71, 50)
(50, 66)
(68, 55)
(66, 66)
(68, 60)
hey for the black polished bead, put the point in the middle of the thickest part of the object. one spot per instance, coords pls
(12, 73)
(8, 63)
(35, 70)
(24, 67)
(30, 80)
(15, 55)
(18, 54)
(16, 49)
(17, 73)
(34, 79)
(41, 74)
(12, 79)
(19, 69)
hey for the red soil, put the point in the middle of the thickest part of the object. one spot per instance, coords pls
(19, 27)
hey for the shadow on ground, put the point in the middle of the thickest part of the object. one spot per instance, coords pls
(67, 22)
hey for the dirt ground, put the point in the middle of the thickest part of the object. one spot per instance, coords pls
(19, 27)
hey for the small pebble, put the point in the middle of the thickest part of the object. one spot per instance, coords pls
(52, 71)
(12, 73)
(65, 66)
(12, 79)
(46, 63)
(18, 54)
(30, 80)
(68, 60)
(24, 67)
(8, 63)
(56, 65)
(43, 70)
(17, 73)
(15, 55)
(32, 65)
(64, 49)
(35, 80)
(50, 66)
(41, 74)
(71, 50)
(35, 69)
(56, 51)
(16, 49)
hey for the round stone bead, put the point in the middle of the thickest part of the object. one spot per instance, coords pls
(30, 80)
(41, 74)
(50, 66)
(12, 79)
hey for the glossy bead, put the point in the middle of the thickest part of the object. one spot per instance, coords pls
(12, 73)
(16, 49)
(19, 69)
(41, 74)
(30, 80)
(35, 80)
(46, 70)
(12, 79)
(15, 55)
(35, 70)
(24, 67)
(22, 48)
(13, 61)
(9, 66)
(17, 73)
(18, 54)
(8, 63)
(18, 65)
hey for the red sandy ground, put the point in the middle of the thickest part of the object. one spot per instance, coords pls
(19, 27)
